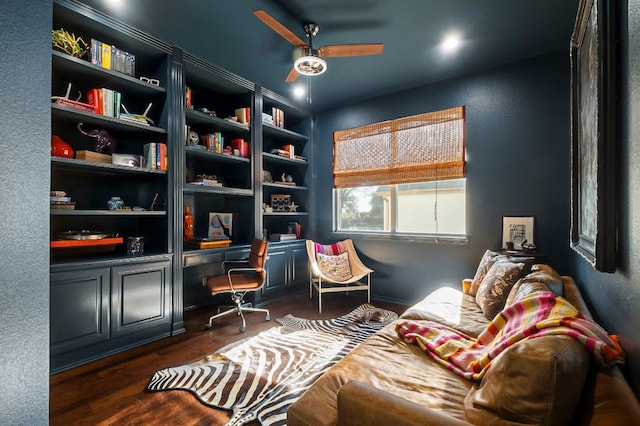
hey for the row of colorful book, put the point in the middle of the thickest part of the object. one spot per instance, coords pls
(214, 142)
(112, 58)
(105, 101)
(155, 155)
(275, 119)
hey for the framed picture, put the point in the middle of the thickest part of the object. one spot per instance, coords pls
(220, 226)
(516, 230)
(593, 224)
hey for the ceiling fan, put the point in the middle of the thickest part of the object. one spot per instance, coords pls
(311, 61)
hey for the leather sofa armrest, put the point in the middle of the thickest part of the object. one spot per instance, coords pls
(362, 404)
(466, 285)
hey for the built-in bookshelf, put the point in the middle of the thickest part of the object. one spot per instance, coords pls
(187, 133)
(285, 161)
(107, 295)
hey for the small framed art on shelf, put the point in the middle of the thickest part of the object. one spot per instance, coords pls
(516, 230)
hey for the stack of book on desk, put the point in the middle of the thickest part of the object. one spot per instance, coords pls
(283, 237)
(206, 243)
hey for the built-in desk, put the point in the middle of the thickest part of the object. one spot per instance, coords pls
(287, 271)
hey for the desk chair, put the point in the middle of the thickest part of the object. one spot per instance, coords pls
(240, 278)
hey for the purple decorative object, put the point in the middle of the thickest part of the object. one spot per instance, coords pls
(105, 143)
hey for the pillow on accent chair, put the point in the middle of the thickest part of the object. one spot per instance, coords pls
(335, 267)
(496, 285)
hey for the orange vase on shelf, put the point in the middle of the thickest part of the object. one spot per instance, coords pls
(187, 225)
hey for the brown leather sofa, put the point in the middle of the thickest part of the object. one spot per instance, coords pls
(550, 380)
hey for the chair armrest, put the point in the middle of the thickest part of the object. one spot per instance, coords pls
(362, 404)
(228, 264)
(466, 285)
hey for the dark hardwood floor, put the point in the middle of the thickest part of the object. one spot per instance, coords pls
(112, 391)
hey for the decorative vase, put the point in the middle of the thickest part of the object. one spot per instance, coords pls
(60, 148)
(115, 203)
(187, 225)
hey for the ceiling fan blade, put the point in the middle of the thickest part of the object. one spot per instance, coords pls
(339, 50)
(276, 26)
(292, 76)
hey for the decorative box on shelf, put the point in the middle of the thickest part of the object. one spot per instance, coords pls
(280, 202)
(93, 156)
(130, 160)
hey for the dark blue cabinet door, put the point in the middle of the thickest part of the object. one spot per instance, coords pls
(141, 297)
(79, 313)
(300, 265)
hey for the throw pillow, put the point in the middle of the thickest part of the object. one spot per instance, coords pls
(496, 285)
(488, 259)
(335, 268)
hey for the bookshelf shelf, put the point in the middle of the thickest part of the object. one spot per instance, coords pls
(88, 74)
(103, 168)
(70, 116)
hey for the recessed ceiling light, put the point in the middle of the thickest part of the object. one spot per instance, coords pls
(299, 91)
(451, 43)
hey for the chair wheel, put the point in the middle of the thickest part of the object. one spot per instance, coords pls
(208, 326)
(267, 317)
(242, 329)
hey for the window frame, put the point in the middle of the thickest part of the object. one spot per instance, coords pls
(393, 233)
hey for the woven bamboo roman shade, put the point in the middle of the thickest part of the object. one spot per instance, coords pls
(421, 148)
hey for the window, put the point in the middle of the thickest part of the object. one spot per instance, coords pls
(404, 176)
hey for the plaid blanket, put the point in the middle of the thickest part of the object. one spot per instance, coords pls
(539, 314)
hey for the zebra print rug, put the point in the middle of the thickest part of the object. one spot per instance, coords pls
(258, 378)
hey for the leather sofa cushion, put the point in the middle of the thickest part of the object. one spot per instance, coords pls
(541, 278)
(452, 308)
(385, 362)
(536, 381)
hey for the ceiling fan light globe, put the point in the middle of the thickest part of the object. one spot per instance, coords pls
(310, 65)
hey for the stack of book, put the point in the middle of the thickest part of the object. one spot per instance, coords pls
(60, 201)
(282, 237)
(267, 118)
(206, 243)
(200, 181)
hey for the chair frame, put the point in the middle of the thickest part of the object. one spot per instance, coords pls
(237, 296)
(358, 271)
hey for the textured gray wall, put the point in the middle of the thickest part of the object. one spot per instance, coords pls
(616, 297)
(25, 44)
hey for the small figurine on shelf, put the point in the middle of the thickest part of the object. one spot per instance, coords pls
(105, 143)
(293, 207)
(187, 225)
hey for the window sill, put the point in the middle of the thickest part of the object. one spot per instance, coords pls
(435, 239)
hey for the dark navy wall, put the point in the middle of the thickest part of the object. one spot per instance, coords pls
(616, 297)
(518, 152)
(25, 134)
